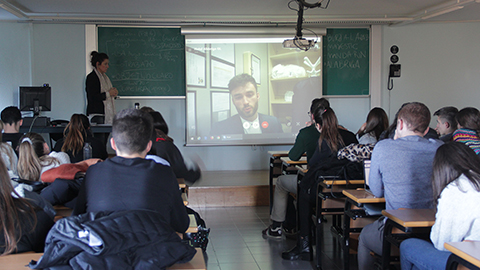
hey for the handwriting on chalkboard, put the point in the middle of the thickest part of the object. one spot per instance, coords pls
(145, 61)
(346, 62)
(344, 50)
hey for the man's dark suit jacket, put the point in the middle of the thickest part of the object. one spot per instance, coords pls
(233, 125)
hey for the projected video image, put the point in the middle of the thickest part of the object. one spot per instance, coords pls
(249, 93)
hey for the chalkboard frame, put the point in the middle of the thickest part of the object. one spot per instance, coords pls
(177, 87)
(343, 83)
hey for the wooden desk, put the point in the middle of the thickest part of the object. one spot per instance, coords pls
(465, 253)
(181, 183)
(355, 197)
(287, 162)
(418, 221)
(275, 170)
(185, 200)
(360, 197)
(20, 261)
(192, 227)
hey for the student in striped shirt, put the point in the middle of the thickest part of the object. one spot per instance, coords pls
(468, 128)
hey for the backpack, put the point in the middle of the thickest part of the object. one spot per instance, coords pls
(200, 238)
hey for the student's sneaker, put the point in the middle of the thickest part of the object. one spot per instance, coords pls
(273, 232)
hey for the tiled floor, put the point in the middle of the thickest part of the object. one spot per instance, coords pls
(236, 242)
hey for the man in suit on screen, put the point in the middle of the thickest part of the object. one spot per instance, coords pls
(243, 90)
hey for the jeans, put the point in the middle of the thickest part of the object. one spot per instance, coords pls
(421, 254)
(285, 184)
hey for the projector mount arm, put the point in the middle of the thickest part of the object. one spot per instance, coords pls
(301, 5)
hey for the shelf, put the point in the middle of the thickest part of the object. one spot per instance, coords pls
(289, 79)
(280, 102)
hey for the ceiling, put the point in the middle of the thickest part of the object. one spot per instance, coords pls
(245, 12)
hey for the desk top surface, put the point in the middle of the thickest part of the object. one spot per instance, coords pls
(278, 153)
(343, 182)
(362, 196)
(468, 250)
(181, 183)
(287, 161)
(20, 261)
(99, 128)
(411, 218)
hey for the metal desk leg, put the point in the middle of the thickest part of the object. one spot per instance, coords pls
(318, 231)
(387, 247)
(346, 235)
(272, 160)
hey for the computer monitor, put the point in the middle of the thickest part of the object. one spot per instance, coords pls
(35, 98)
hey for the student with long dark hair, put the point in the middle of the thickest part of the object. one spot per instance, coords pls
(331, 140)
(23, 225)
(370, 131)
(468, 128)
(456, 188)
(164, 147)
(76, 134)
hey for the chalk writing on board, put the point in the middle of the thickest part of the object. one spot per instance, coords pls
(346, 62)
(344, 51)
(145, 61)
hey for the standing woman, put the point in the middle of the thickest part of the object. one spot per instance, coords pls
(456, 185)
(100, 92)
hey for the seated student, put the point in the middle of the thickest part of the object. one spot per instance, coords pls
(456, 185)
(128, 181)
(446, 122)
(35, 158)
(306, 142)
(390, 132)
(76, 134)
(401, 171)
(23, 225)
(368, 135)
(8, 154)
(12, 119)
(163, 147)
(332, 138)
(468, 120)
(370, 131)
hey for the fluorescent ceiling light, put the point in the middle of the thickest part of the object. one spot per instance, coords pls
(12, 9)
(441, 12)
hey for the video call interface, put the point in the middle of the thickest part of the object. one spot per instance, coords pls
(249, 92)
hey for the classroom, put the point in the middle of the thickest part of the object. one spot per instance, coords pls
(439, 61)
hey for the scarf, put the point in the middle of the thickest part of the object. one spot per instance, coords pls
(108, 103)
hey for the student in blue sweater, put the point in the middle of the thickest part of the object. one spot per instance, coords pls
(401, 171)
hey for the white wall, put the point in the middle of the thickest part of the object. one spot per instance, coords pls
(15, 62)
(440, 65)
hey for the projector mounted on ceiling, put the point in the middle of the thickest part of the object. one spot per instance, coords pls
(298, 41)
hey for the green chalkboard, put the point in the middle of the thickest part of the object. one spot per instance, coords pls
(346, 62)
(144, 61)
